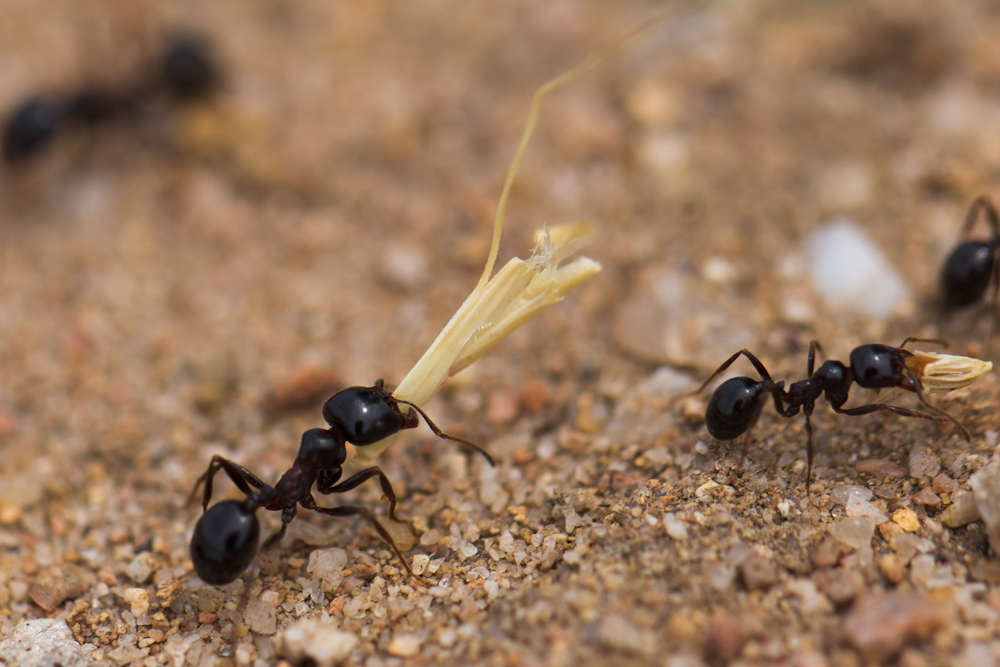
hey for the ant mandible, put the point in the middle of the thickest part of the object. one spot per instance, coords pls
(972, 266)
(186, 71)
(737, 403)
(226, 536)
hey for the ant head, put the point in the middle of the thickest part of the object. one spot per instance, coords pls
(224, 542)
(322, 449)
(877, 366)
(364, 415)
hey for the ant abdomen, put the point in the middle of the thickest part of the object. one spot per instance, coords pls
(734, 408)
(967, 273)
(224, 542)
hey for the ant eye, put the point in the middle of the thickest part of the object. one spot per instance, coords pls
(224, 542)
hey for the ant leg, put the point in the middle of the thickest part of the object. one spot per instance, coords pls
(358, 479)
(729, 362)
(809, 460)
(936, 341)
(441, 434)
(286, 518)
(240, 476)
(811, 365)
(351, 510)
(919, 390)
(992, 218)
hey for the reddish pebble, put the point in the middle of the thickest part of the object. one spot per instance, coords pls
(879, 469)
(535, 395)
(501, 407)
(306, 387)
(207, 617)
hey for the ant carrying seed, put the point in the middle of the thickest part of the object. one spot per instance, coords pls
(972, 266)
(226, 536)
(186, 70)
(737, 403)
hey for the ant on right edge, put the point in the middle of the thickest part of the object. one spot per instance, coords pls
(972, 266)
(737, 403)
(225, 538)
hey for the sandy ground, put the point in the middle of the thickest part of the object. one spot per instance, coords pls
(324, 215)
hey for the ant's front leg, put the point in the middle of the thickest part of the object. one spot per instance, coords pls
(240, 476)
(444, 436)
(356, 480)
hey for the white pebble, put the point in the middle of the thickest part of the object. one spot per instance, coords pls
(139, 599)
(849, 271)
(404, 645)
(312, 640)
(327, 565)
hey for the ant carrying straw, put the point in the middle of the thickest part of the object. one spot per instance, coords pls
(185, 71)
(737, 403)
(972, 266)
(226, 536)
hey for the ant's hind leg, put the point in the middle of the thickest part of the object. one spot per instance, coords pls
(240, 476)
(350, 510)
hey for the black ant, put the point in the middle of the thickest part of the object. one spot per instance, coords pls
(186, 71)
(972, 266)
(737, 403)
(226, 536)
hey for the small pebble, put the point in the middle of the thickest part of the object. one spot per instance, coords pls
(207, 617)
(261, 618)
(926, 496)
(893, 568)
(328, 565)
(758, 573)
(856, 507)
(879, 469)
(404, 645)
(880, 624)
(140, 569)
(619, 634)
(944, 484)
(675, 528)
(924, 462)
(842, 494)
(317, 642)
(962, 511)
(857, 533)
(138, 598)
(986, 492)
(56, 585)
(906, 519)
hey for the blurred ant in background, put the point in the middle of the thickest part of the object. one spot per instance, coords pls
(973, 265)
(186, 70)
(736, 404)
